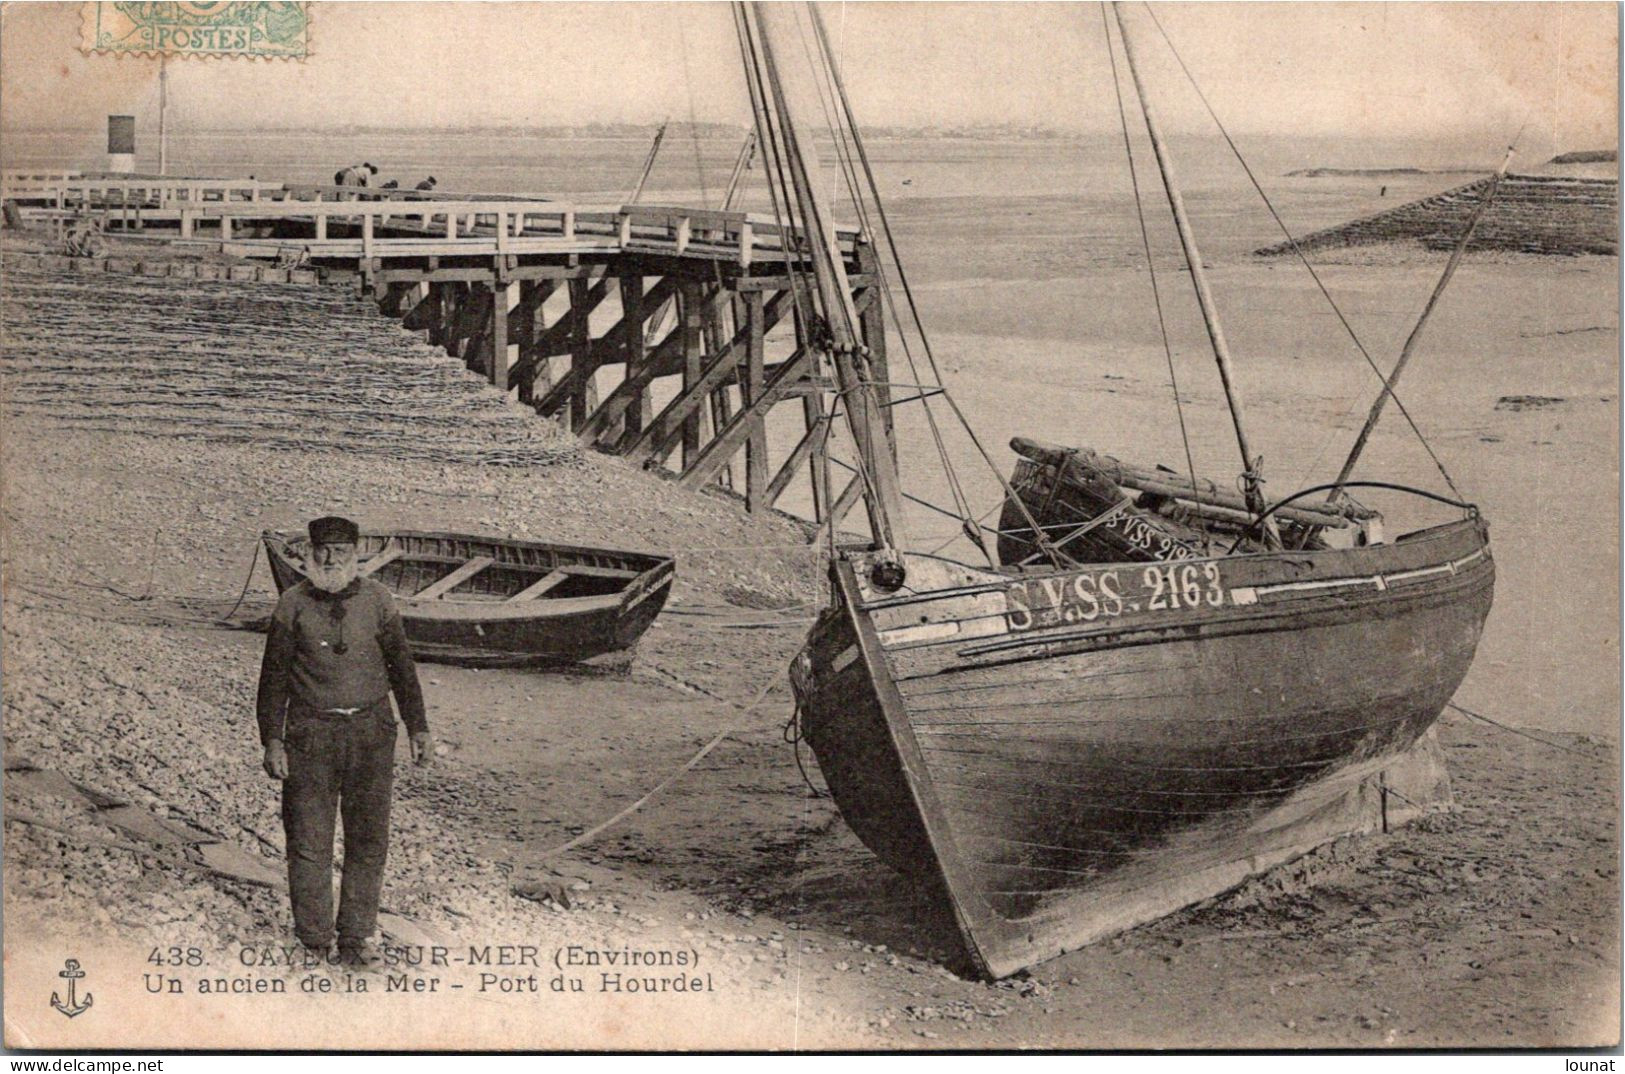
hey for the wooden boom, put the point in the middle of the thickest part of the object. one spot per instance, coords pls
(1203, 494)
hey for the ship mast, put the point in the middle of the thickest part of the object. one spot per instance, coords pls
(648, 164)
(746, 153)
(1204, 297)
(800, 157)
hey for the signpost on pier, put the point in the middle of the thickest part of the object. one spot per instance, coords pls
(121, 144)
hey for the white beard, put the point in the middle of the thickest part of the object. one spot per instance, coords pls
(333, 578)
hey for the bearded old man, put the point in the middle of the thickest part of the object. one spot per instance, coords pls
(335, 654)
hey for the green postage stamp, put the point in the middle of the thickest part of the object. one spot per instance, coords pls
(273, 29)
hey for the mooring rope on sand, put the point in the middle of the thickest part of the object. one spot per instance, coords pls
(174, 859)
(1514, 730)
(597, 829)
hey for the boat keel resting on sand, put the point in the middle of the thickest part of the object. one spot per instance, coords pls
(1116, 721)
(492, 602)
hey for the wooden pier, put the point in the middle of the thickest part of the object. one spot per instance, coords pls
(564, 305)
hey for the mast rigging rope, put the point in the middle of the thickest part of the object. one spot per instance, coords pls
(1299, 251)
(693, 119)
(902, 277)
(773, 165)
(848, 143)
(1150, 263)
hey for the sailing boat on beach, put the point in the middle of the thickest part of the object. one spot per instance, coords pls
(1065, 748)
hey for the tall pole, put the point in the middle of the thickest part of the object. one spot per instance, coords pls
(648, 164)
(746, 152)
(883, 496)
(163, 113)
(657, 322)
(1416, 333)
(1193, 257)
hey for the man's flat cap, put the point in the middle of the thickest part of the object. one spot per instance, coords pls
(331, 529)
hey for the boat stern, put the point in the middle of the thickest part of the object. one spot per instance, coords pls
(642, 602)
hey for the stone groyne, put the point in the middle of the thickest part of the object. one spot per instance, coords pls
(1531, 214)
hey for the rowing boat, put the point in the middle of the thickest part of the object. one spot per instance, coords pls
(496, 602)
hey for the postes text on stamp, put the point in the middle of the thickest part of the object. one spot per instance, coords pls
(272, 29)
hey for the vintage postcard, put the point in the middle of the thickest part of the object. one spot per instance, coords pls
(749, 526)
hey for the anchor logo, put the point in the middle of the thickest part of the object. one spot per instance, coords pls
(73, 1008)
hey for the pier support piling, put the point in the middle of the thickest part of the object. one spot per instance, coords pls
(583, 395)
(501, 297)
(757, 494)
(512, 287)
(690, 298)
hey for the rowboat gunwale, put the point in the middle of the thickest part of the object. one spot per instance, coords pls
(612, 621)
(652, 560)
(455, 606)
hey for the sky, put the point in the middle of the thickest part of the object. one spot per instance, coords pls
(1389, 70)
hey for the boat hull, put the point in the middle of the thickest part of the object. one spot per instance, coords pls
(478, 625)
(1065, 754)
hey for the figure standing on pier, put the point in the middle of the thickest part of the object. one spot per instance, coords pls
(355, 175)
(335, 654)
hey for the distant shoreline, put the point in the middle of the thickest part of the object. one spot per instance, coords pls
(729, 132)
(1323, 173)
(1587, 156)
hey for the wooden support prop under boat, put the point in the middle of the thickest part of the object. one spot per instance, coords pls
(495, 602)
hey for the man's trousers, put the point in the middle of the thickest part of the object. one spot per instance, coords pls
(338, 765)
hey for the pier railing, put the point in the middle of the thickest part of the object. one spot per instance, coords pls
(380, 223)
(71, 190)
(16, 176)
